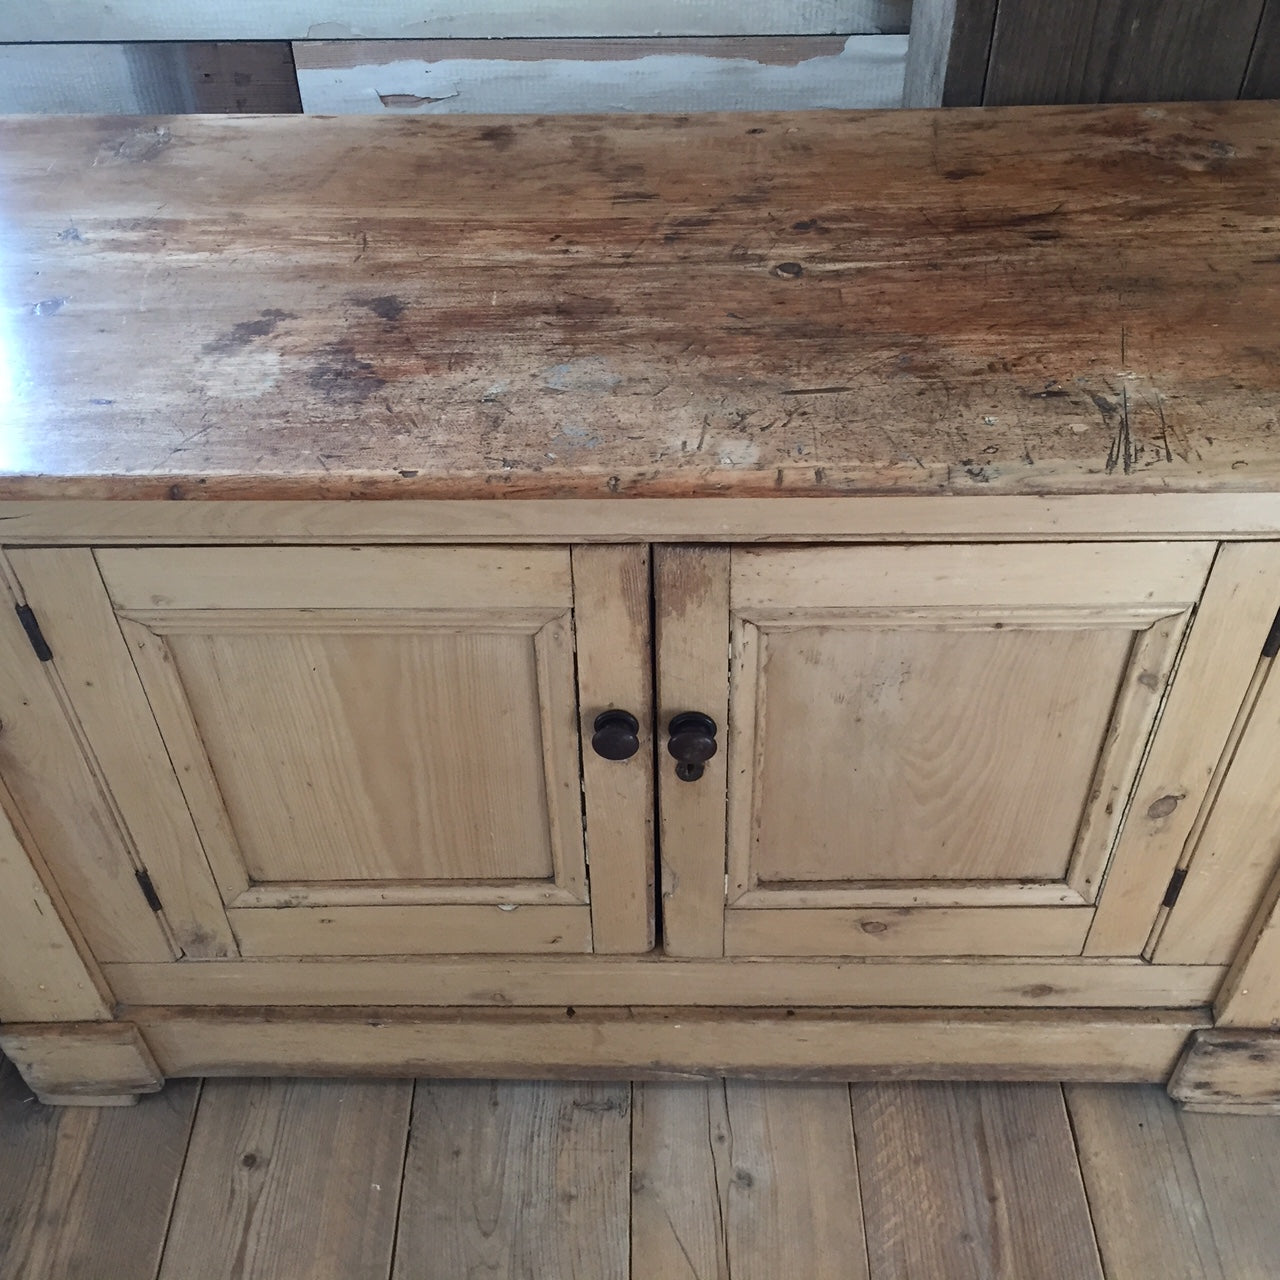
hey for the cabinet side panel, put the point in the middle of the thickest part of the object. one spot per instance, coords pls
(42, 977)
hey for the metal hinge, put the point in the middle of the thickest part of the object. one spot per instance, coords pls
(1271, 645)
(31, 625)
(149, 891)
(1175, 887)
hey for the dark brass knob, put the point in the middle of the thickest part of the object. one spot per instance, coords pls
(616, 736)
(692, 742)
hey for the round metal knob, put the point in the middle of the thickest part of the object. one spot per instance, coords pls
(616, 736)
(692, 742)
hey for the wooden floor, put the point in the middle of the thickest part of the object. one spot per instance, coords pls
(343, 1180)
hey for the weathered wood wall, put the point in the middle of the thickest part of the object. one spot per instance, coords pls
(1005, 52)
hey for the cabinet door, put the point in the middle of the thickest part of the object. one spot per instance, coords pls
(362, 751)
(938, 750)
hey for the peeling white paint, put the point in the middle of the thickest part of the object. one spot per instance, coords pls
(427, 19)
(868, 72)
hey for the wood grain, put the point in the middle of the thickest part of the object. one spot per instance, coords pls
(955, 755)
(691, 613)
(1144, 1196)
(44, 976)
(1237, 1162)
(971, 1181)
(1120, 51)
(291, 1178)
(993, 518)
(1229, 1067)
(61, 1180)
(1262, 80)
(82, 1063)
(649, 1043)
(101, 686)
(517, 325)
(747, 1180)
(1237, 854)
(613, 626)
(61, 802)
(1214, 674)
(534, 980)
(518, 1180)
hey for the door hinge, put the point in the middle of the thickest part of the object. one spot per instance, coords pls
(1175, 887)
(31, 625)
(149, 891)
(1271, 645)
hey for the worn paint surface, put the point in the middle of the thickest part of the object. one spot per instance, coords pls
(1051, 300)
(424, 19)
(583, 76)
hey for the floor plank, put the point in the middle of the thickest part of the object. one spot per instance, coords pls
(519, 1180)
(86, 1193)
(746, 1180)
(289, 1178)
(1144, 1196)
(1237, 1163)
(677, 1227)
(971, 1182)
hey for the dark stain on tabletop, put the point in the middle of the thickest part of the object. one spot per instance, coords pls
(339, 375)
(387, 307)
(242, 334)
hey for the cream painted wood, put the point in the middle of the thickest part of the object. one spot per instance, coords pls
(613, 623)
(460, 929)
(839, 1044)
(574, 980)
(1214, 675)
(90, 1063)
(858, 519)
(378, 747)
(907, 931)
(930, 748)
(43, 975)
(66, 808)
(1238, 850)
(691, 622)
(1250, 994)
(103, 692)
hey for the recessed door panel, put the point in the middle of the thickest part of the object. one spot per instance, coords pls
(375, 751)
(363, 756)
(928, 754)
(930, 750)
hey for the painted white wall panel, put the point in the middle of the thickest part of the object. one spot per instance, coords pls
(110, 79)
(862, 71)
(429, 19)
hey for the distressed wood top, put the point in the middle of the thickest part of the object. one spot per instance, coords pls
(1034, 301)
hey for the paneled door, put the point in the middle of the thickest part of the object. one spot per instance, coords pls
(346, 751)
(940, 750)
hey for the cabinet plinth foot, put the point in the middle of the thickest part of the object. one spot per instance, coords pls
(84, 1064)
(1231, 1071)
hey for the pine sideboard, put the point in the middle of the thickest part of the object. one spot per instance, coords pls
(787, 595)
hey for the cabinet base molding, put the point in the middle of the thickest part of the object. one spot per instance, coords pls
(658, 1043)
(603, 981)
(1232, 1071)
(88, 1064)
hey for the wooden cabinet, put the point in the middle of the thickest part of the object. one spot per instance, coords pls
(351, 751)
(932, 749)
(912, 521)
